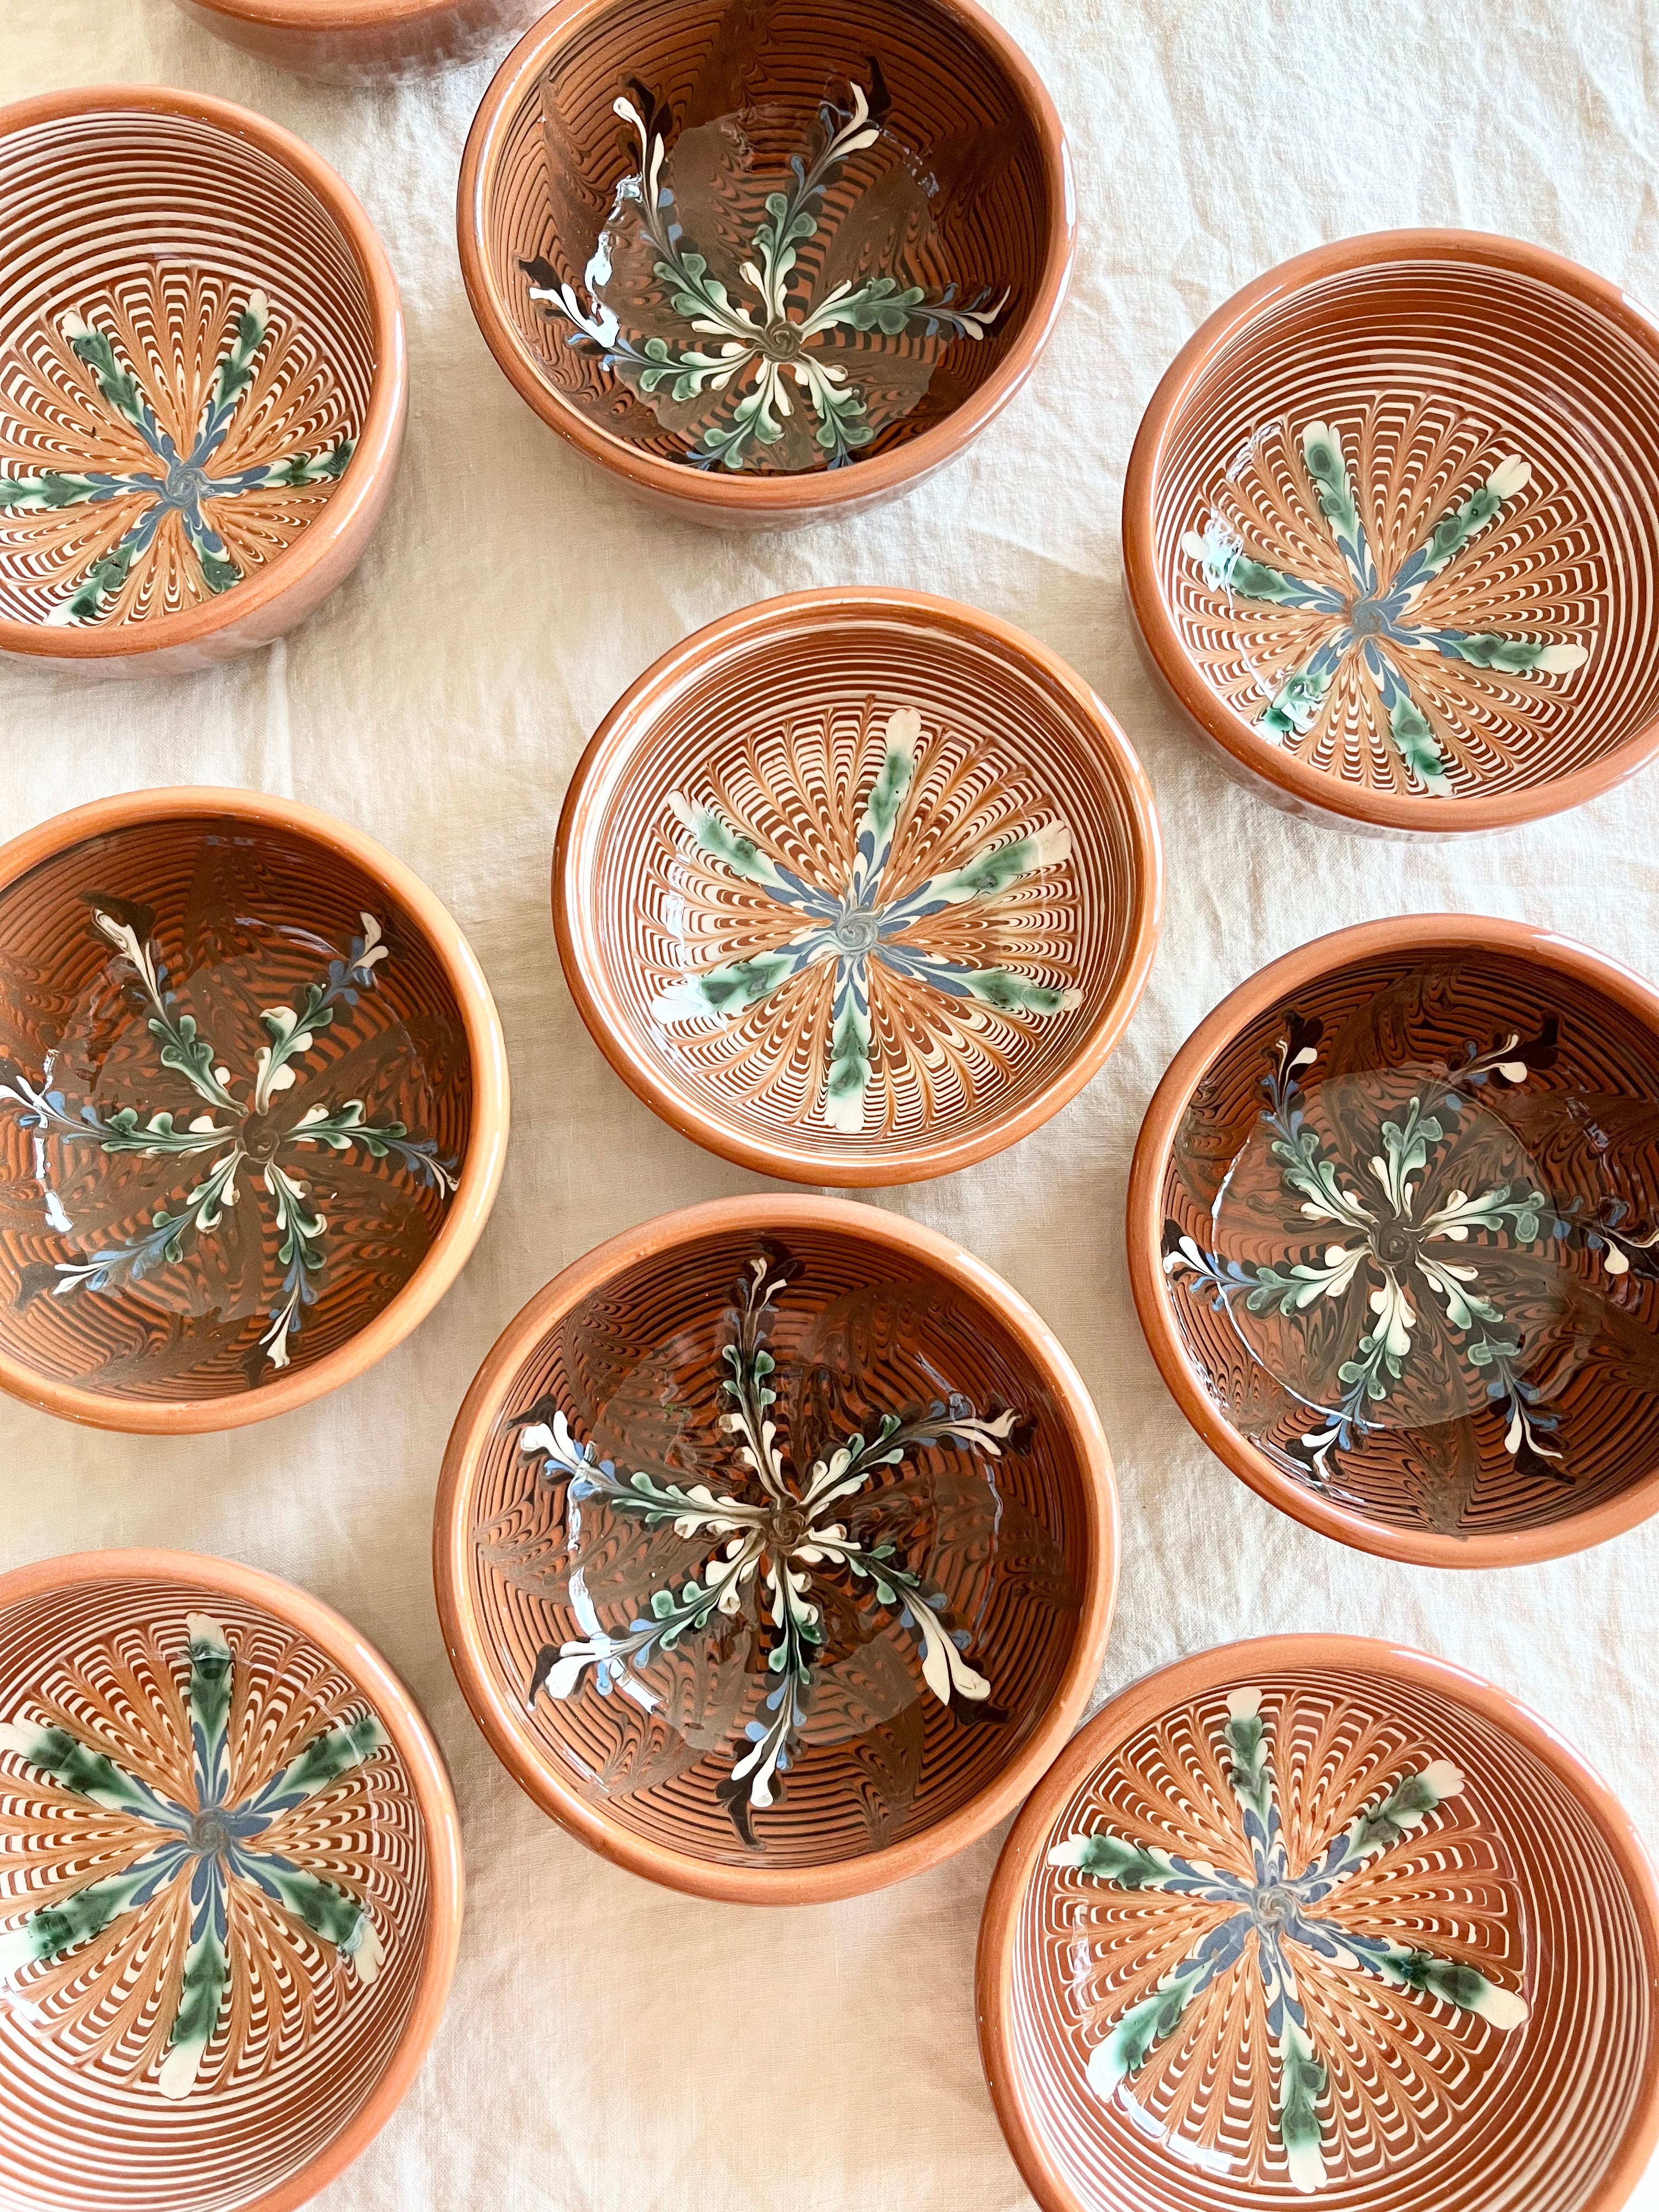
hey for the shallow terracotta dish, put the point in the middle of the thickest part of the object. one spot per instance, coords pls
(365, 41)
(231, 1891)
(1391, 528)
(1321, 1919)
(253, 1108)
(202, 379)
(1393, 1238)
(858, 886)
(767, 260)
(775, 1548)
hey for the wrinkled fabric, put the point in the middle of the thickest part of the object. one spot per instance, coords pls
(612, 2047)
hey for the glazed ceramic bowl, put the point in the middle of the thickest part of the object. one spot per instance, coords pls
(1393, 1238)
(1320, 1920)
(739, 357)
(858, 886)
(1391, 529)
(365, 41)
(775, 1548)
(231, 1891)
(253, 1108)
(202, 380)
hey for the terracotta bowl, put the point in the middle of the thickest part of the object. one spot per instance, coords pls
(253, 1108)
(1394, 1237)
(740, 358)
(365, 41)
(1391, 529)
(858, 886)
(231, 1891)
(202, 380)
(1318, 1919)
(775, 1548)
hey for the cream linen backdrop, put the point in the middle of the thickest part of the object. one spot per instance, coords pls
(611, 2047)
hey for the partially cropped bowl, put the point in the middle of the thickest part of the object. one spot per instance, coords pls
(776, 1549)
(1394, 1239)
(1391, 533)
(766, 261)
(365, 42)
(203, 381)
(858, 886)
(1316, 1919)
(253, 1108)
(231, 1893)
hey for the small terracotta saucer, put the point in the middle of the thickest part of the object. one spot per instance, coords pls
(365, 41)
(858, 886)
(1391, 533)
(253, 1108)
(1320, 1920)
(231, 1892)
(767, 260)
(1394, 1239)
(776, 1549)
(203, 381)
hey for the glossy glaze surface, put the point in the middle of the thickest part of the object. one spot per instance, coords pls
(1393, 1225)
(231, 1893)
(1390, 531)
(781, 1551)
(365, 42)
(237, 1100)
(724, 246)
(858, 887)
(1320, 1920)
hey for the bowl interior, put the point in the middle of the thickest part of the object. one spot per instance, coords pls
(624, 1555)
(863, 885)
(1410, 1250)
(1406, 528)
(1434, 1959)
(921, 205)
(235, 1099)
(186, 354)
(305, 1849)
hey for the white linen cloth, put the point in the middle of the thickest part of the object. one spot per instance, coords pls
(612, 2047)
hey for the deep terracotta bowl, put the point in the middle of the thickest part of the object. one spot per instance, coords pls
(231, 1892)
(253, 1108)
(202, 380)
(1391, 532)
(767, 260)
(776, 1549)
(365, 41)
(1320, 1920)
(1393, 1238)
(858, 886)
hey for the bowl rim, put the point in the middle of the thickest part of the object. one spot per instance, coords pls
(1143, 1228)
(362, 484)
(1141, 1700)
(481, 1170)
(813, 494)
(603, 765)
(1310, 786)
(395, 1702)
(322, 17)
(464, 1637)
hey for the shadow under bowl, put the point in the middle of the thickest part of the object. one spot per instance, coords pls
(1383, 2001)
(776, 1549)
(1394, 1239)
(1391, 533)
(365, 42)
(858, 886)
(267, 1818)
(866, 216)
(203, 381)
(253, 1108)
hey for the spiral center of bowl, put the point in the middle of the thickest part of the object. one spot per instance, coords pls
(857, 932)
(789, 1525)
(1271, 1907)
(1393, 1242)
(1367, 618)
(184, 483)
(208, 1834)
(261, 1137)
(783, 341)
